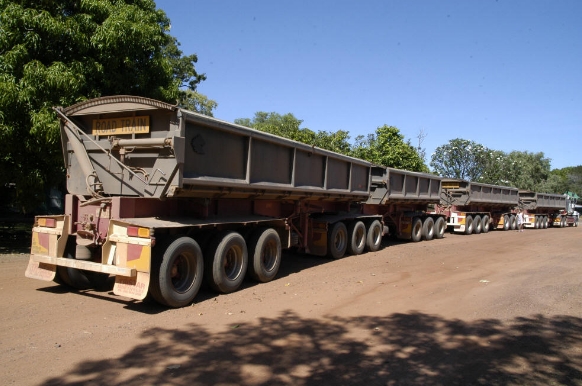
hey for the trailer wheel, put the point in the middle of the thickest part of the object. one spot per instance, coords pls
(226, 262)
(440, 228)
(513, 222)
(485, 224)
(477, 225)
(357, 234)
(468, 225)
(416, 232)
(545, 222)
(428, 228)
(265, 253)
(374, 236)
(337, 240)
(506, 223)
(177, 272)
(78, 278)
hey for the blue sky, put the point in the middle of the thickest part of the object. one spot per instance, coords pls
(506, 74)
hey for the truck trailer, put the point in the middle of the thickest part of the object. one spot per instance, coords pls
(542, 210)
(403, 199)
(472, 207)
(165, 199)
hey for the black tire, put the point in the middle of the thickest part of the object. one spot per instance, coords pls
(468, 225)
(374, 236)
(513, 222)
(428, 228)
(357, 234)
(226, 262)
(440, 227)
(78, 278)
(477, 225)
(337, 240)
(506, 223)
(416, 231)
(265, 254)
(546, 222)
(177, 272)
(485, 224)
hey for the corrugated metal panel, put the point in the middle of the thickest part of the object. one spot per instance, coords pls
(459, 192)
(392, 185)
(532, 200)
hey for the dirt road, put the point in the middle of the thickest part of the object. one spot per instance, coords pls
(501, 308)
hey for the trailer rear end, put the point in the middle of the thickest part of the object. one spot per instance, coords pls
(472, 207)
(543, 210)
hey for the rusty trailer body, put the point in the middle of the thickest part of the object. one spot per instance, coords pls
(472, 207)
(164, 198)
(543, 210)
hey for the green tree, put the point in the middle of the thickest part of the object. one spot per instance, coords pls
(568, 179)
(338, 141)
(461, 158)
(387, 147)
(496, 168)
(573, 180)
(288, 126)
(525, 170)
(194, 101)
(62, 52)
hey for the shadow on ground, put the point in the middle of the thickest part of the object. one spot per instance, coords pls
(400, 349)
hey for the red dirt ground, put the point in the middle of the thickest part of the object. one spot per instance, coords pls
(502, 308)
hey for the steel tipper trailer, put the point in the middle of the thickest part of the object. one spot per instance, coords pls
(164, 198)
(403, 199)
(472, 207)
(544, 209)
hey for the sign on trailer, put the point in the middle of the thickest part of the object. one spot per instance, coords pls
(117, 126)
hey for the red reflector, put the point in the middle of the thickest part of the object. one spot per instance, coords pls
(138, 232)
(47, 222)
(132, 231)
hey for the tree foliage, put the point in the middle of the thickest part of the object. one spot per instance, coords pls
(564, 180)
(461, 158)
(61, 52)
(288, 126)
(387, 147)
(525, 170)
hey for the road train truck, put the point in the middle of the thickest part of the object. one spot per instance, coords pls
(163, 199)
